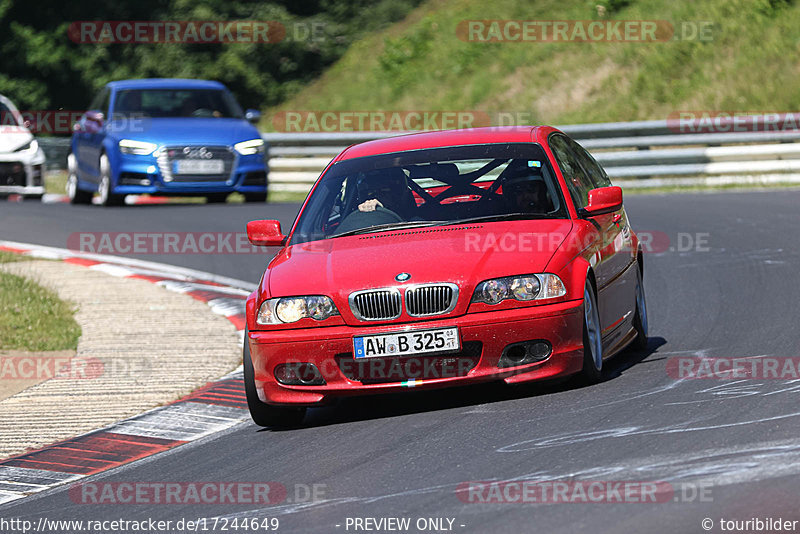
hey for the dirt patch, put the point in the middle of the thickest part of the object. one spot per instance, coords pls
(21, 369)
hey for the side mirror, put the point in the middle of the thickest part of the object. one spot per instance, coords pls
(265, 233)
(252, 116)
(603, 200)
(95, 116)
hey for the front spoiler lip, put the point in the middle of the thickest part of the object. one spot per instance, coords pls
(22, 189)
(566, 358)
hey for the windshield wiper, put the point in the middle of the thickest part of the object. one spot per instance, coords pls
(390, 226)
(503, 217)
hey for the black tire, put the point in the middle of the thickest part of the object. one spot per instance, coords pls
(266, 415)
(592, 371)
(216, 198)
(640, 322)
(255, 197)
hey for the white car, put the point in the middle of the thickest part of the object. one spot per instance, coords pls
(21, 157)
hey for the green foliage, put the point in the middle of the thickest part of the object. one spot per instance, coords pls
(41, 68)
(745, 60)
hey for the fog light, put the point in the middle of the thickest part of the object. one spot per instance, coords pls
(525, 353)
(298, 374)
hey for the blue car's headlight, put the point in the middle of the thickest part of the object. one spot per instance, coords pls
(248, 148)
(137, 148)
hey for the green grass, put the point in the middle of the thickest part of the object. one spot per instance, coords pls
(287, 196)
(10, 257)
(33, 318)
(55, 182)
(420, 64)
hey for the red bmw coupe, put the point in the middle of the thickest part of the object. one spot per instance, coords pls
(440, 259)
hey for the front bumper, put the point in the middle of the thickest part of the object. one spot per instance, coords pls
(138, 175)
(330, 349)
(22, 175)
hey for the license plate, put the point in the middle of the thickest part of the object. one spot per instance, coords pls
(199, 166)
(405, 343)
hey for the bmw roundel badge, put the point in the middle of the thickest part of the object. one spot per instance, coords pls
(402, 277)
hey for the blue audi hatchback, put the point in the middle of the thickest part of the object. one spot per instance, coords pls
(168, 137)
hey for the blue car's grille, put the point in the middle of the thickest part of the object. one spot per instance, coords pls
(196, 163)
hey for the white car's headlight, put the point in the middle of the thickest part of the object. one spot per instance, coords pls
(137, 148)
(248, 148)
(523, 288)
(30, 148)
(292, 309)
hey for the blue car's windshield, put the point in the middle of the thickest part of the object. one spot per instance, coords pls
(159, 103)
(430, 187)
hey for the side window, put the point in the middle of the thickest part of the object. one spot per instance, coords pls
(337, 209)
(596, 172)
(7, 118)
(578, 183)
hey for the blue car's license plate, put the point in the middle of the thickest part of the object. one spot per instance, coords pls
(207, 166)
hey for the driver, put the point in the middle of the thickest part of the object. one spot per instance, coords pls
(188, 107)
(387, 188)
(527, 194)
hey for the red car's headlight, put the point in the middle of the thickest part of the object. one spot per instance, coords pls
(292, 309)
(523, 288)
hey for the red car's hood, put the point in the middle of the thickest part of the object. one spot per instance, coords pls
(464, 255)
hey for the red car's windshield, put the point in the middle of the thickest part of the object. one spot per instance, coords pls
(432, 187)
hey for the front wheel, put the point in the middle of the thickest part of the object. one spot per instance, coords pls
(106, 189)
(75, 194)
(592, 371)
(263, 414)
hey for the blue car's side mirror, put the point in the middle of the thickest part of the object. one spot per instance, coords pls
(252, 116)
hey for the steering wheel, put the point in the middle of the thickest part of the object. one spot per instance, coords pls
(363, 219)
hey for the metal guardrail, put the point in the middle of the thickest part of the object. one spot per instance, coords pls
(627, 150)
(631, 152)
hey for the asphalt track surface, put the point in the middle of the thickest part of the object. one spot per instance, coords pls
(405, 455)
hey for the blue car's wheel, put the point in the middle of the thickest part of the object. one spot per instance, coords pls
(106, 189)
(75, 194)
